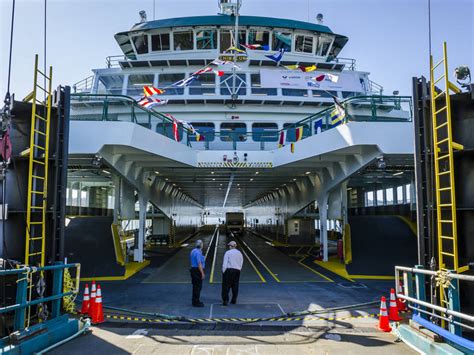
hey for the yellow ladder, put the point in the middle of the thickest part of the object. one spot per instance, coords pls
(38, 153)
(443, 147)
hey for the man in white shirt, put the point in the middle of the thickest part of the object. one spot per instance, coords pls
(231, 267)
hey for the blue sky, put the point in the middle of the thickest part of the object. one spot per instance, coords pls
(388, 38)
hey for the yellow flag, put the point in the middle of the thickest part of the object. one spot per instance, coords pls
(310, 68)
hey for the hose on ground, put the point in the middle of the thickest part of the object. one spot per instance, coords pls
(147, 314)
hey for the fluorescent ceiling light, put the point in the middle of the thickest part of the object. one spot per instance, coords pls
(399, 173)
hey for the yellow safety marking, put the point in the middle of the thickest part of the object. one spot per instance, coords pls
(260, 260)
(131, 269)
(335, 266)
(253, 266)
(373, 277)
(312, 270)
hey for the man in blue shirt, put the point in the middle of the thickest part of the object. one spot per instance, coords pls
(197, 272)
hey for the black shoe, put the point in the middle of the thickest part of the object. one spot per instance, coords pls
(200, 304)
(233, 302)
(224, 303)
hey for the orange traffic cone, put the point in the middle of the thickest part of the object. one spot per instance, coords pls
(98, 316)
(384, 325)
(93, 297)
(401, 304)
(393, 311)
(86, 301)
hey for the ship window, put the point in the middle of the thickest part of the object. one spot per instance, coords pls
(205, 129)
(183, 40)
(110, 84)
(206, 39)
(389, 196)
(259, 37)
(136, 82)
(233, 132)
(323, 93)
(294, 92)
(227, 82)
(257, 89)
(282, 40)
(380, 198)
(166, 129)
(408, 193)
(265, 132)
(141, 44)
(324, 43)
(226, 41)
(400, 195)
(346, 94)
(204, 84)
(160, 42)
(304, 44)
(291, 131)
(369, 198)
(165, 80)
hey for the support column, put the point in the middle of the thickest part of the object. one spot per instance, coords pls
(323, 218)
(138, 251)
(117, 181)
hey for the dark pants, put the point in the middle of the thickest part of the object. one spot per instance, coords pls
(230, 279)
(196, 279)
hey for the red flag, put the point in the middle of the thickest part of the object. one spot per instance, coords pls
(150, 91)
(299, 133)
(175, 130)
(319, 77)
(219, 72)
(281, 140)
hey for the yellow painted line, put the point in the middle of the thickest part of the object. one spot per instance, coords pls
(261, 262)
(335, 266)
(253, 266)
(312, 270)
(211, 278)
(130, 269)
(373, 277)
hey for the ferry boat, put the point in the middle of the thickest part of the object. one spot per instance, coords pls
(254, 97)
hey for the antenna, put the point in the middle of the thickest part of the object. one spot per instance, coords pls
(142, 14)
(229, 7)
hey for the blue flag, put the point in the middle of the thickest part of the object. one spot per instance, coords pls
(277, 56)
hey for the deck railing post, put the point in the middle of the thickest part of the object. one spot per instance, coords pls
(454, 305)
(21, 289)
(57, 289)
(420, 288)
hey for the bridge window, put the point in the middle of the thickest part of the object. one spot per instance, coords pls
(166, 129)
(369, 199)
(304, 44)
(136, 82)
(259, 37)
(400, 195)
(110, 84)
(226, 39)
(227, 82)
(165, 80)
(206, 39)
(346, 94)
(160, 42)
(282, 40)
(408, 193)
(294, 92)
(204, 85)
(380, 198)
(291, 131)
(324, 42)
(389, 196)
(257, 89)
(233, 132)
(183, 40)
(140, 43)
(265, 132)
(205, 129)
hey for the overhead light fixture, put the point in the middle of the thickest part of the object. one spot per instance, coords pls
(251, 179)
(106, 172)
(213, 179)
(157, 172)
(238, 184)
(308, 172)
(212, 173)
(399, 173)
(257, 172)
(294, 179)
(166, 179)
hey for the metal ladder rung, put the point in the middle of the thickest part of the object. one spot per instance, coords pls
(445, 237)
(443, 157)
(34, 254)
(438, 64)
(42, 89)
(41, 117)
(39, 132)
(38, 177)
(442, 125)
(445, 188)
(446, 253)
(446, 221)
(37, 238)
(440, 110)
(39, 147)
(439, 79)
(38, 192)
(37, 207)
(39, 162)
(445, 205)
(36, 223)
(439, 95)
(443, 141)
(40, 72)
(444, 172)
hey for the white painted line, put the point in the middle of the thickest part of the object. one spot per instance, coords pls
(210, 310)
(281, 308)
(211, 279)
(137, 334)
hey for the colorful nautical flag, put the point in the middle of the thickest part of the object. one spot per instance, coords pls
(199, 137)
(281, 139)
(338, 114)
(202, 71)
(148, 102)
(185, 82)
(256, 46)
(224, 62)
(175, 130)
(299, 133)
(319, 77)
(303, 68)
(219, 72)
(276, 57)
(234, 49)
(150, 91)
(318, 126)
(333, 78)
(292, 147)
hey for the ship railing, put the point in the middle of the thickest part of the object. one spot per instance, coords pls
(113, 61)
(415, 287)
(358, 108)
(349, 63)
(374, 88)
(84, 85)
